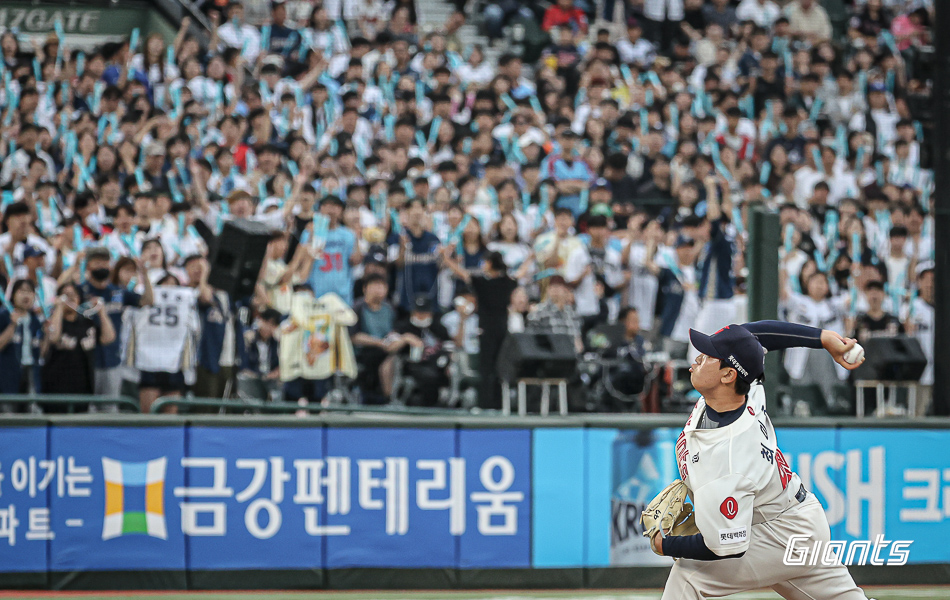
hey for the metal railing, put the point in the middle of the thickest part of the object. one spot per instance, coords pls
(261, 407)
(71, 401)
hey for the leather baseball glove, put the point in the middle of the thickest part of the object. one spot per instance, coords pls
(669, 514)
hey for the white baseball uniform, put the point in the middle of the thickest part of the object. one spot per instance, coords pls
(747, 499)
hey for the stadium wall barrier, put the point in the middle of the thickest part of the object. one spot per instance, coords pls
(160, 502)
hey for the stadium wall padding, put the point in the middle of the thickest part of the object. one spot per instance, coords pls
(116, 502)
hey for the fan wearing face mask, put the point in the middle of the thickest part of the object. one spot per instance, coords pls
(424, 338)
(108, 380)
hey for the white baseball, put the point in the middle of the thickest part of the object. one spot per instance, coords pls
(854, 355)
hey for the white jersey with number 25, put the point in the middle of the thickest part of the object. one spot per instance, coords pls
(162, 336)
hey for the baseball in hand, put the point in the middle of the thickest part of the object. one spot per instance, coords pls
(854, 355)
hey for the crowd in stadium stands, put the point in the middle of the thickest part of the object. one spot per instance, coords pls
(424, 203)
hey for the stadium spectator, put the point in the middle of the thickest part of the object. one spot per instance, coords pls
(371, 334)
(565, 14)
(808, 20)
(876, 322)
(556, 314)
(259, 377)
(161, 339)
(332, 269)
(108, 375)
(678, 284)
(415, 253)
(220, 339)
(920, 324)
(461, 323)
(422, 353)
(383, 153)
(75, 330)
(21, 338)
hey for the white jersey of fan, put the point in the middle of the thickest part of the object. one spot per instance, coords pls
(162, 335)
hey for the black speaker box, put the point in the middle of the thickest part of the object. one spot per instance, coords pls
(897, 358)
(540, 355)
(237, 257)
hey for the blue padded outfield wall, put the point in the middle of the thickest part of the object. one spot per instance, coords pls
(193, 498)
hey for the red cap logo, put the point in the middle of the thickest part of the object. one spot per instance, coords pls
(729, 507)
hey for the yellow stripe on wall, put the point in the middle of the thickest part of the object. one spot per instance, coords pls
(153, 498)
(115, 498)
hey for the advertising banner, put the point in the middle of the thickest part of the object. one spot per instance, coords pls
(111, 507)
(88, 499)
(27, 480)
(253, 498)
(402, 498)
(497, 533)
(77, 499)
(876, 485)
(881, 486)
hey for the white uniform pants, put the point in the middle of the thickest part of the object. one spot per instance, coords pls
(762, 566)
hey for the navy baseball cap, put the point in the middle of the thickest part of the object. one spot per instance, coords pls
(422, 303)
(32, 252)
(737, 346)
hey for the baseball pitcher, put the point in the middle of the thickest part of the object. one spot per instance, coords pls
(746, 501)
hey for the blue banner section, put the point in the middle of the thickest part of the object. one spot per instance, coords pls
(879, 484)
(559, 502)
(895, 486)
(113, 509)
(405, 500)
(255, 498)
(597, 488)
(225, 498)
(876, 485)
(498, 478)
(27, 480)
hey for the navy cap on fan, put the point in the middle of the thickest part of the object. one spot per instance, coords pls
(422, 304)
(375, 256)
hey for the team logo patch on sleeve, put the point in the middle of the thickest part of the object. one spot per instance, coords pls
(729, 508)
(728, 537)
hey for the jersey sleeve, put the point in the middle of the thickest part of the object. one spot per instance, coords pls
(130, 298)
(778, 335)
(191, 307)
(724, 514)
